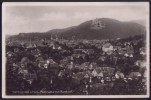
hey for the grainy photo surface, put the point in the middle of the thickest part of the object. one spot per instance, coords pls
(75, 50)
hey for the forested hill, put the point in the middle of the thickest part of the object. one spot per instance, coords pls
(102, 28)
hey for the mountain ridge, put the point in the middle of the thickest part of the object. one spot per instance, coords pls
(100, 28)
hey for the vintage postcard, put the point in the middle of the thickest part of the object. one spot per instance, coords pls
(75, 50)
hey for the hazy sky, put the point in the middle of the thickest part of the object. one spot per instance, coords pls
(42, 17)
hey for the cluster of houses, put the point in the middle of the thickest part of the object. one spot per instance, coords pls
(94, 62)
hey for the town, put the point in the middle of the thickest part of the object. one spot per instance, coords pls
(82, 67)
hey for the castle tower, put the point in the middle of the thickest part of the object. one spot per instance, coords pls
(97, 24)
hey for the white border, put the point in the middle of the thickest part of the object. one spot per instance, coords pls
(4, 5)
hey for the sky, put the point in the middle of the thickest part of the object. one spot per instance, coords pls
(42, 17)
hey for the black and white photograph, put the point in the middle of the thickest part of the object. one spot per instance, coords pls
(75, 50)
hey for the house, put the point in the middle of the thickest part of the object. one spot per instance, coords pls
(97, 73)
(39, 59)
(145, 74)
(108, 48)
(113, 78)
(102, 58)
(54, 65)
(91, 67)
(85, 64)
(71, 58)
(43, 64)
(134, 75)
(50, 61)
(109, 70)
(29, 77)
(118, 38)
(61, 73)
(102, 81)
(119, 75)
(78, 51)
(70, 65)
(100, 75)
(62, 65)
(126, 54)
(25, 61)
(15, 66)
(117, 48)
(79, 75)
(128, 51)
(29, 46)
(22, 71)
(16, 50)
(34, 45)
(59, 48)
(54, 46)
(86, 76)
(143, 51)
(83, 67)
(10, 54)
(37, 55)
(122, 51)
(108, 79)
(88, 51)
(127, 43)
(131, 55)
(51, 44)
(94, 73)
(41, 44)
(76, 56)
(109, 52)
(140, 63)
(36, 52)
